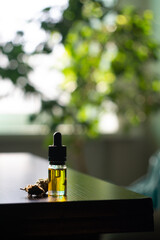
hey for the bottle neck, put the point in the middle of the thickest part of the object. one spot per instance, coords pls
(53, 166)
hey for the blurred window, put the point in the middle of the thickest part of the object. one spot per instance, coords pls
(15, 106)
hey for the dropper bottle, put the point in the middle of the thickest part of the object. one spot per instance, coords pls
(57, 170)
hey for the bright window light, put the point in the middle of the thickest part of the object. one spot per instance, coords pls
(13, 17)
(109, 123)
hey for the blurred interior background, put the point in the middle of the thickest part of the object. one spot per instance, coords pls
(89, 69)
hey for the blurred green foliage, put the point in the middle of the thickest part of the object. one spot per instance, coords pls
(111, 57)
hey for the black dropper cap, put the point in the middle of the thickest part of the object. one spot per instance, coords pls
(57, 152)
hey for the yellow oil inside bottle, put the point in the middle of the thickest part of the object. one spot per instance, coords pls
(57, 182)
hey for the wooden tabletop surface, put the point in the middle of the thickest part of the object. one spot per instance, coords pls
(91, 206)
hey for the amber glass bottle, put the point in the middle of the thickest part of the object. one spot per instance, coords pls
(57, 170)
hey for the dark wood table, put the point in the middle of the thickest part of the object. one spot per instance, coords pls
(92, 206)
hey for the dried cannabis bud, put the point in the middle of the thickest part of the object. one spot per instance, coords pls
(43, 183)
(39, 189)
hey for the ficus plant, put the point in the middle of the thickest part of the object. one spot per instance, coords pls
(110, 58)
